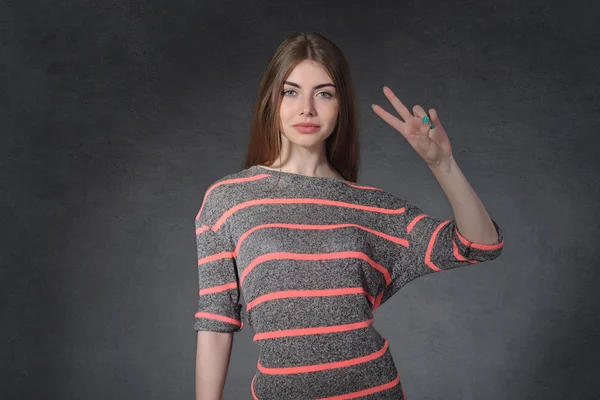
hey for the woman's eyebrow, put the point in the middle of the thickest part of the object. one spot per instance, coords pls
(316, 87)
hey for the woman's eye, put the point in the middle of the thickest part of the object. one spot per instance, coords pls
(291, 90)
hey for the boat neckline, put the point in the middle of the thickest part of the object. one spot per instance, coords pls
(294, 175)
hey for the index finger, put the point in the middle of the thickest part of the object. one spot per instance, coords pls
(398, 105)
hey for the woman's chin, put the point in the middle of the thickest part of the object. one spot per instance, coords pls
(306, 139)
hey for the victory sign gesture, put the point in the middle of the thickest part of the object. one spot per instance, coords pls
(427, 137)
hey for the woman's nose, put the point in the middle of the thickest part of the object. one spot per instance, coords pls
(308, 106)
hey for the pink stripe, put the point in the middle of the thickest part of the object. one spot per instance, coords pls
(466, 242)
(319, 256)
(324, 366)
(352, 395)
(334, 203)
(414, 222)
(201, 229)
(354, 185)
(378, 300)
(214, 257)
(313, 331)
(394, 239)
(366, 392)
(295, 294)
(459, 256)
(218, 289)
(218, 317)
(252, 388)
(230, 182)
(430, 246)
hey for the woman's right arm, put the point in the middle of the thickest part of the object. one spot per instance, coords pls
(213, 351)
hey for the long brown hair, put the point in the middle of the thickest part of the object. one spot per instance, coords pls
(342, 146)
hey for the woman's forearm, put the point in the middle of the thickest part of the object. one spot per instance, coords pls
(472, 219)
(213, 351)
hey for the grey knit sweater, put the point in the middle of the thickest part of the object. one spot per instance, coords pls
(313, 259)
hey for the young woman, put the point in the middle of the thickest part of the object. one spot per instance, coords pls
(313, 253)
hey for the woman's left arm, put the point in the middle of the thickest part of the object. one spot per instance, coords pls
(429, 139)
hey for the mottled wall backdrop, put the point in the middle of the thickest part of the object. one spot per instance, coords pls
(115, 116)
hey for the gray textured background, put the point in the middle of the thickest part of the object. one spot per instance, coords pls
(116, 116)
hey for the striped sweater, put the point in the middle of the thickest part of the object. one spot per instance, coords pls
(313, 259)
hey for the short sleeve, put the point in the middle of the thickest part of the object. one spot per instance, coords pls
(218, 309)
(434, 245)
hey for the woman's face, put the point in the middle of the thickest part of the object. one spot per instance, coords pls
(305, 99)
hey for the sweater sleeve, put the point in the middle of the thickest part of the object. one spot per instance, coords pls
(218, 309)
(434, 245)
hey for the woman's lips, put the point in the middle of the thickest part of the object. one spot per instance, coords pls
(306, 129)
